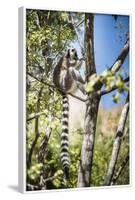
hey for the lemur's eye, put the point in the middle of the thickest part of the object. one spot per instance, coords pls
(72, 50)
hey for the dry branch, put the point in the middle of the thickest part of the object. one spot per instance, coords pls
(120, 170)
(117, 143)
(119, 61)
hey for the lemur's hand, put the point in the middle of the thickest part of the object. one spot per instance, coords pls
(83, 58)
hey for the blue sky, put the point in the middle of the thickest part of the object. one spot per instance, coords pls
(108, 45)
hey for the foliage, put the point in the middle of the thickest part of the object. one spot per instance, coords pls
(110, 80)
(102, 153)
(48, 35)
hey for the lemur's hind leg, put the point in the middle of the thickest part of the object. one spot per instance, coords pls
(78, 78)
(76, 75)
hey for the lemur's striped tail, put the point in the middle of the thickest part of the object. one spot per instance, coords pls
(64, 138)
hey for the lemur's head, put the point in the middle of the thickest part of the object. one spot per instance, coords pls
(72, 54)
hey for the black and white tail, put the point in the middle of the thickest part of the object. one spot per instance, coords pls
(64, 138)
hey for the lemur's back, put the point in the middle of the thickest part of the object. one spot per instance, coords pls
(62, 77)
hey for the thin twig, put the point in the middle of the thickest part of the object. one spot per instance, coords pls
(77, 35)
(50, 178)
(83, 20)
(36, 187)
(79, 98)
(33, 116)
(32, 187)
(61, 50)
(106, 91)
(45, 83)
(119, 61)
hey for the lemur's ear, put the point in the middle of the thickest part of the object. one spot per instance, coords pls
(68, 54)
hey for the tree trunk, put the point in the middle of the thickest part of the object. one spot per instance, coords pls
(92, 104)
(84, 175)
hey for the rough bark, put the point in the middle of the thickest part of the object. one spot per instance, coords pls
(117, 143)
(84, 174)
(89, 45)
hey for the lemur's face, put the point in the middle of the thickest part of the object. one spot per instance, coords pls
(72, 54)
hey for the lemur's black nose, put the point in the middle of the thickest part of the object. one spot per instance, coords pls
(72, 50)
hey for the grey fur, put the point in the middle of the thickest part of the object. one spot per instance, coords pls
(67, 79)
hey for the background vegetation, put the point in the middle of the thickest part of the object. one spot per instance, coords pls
(48, 35)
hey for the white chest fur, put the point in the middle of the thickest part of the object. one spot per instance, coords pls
(73, 87)
(63, 83)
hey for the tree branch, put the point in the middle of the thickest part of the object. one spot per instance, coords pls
(119, 61)
(40, 187)
(77, 97)
(77, 35)
(117, 143)
(31, 187)
(106, 91)
(61, 50)
(40, 80)
(33, 116)
(83, 20)
(51, 178)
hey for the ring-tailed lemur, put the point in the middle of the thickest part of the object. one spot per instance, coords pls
(67, 79)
